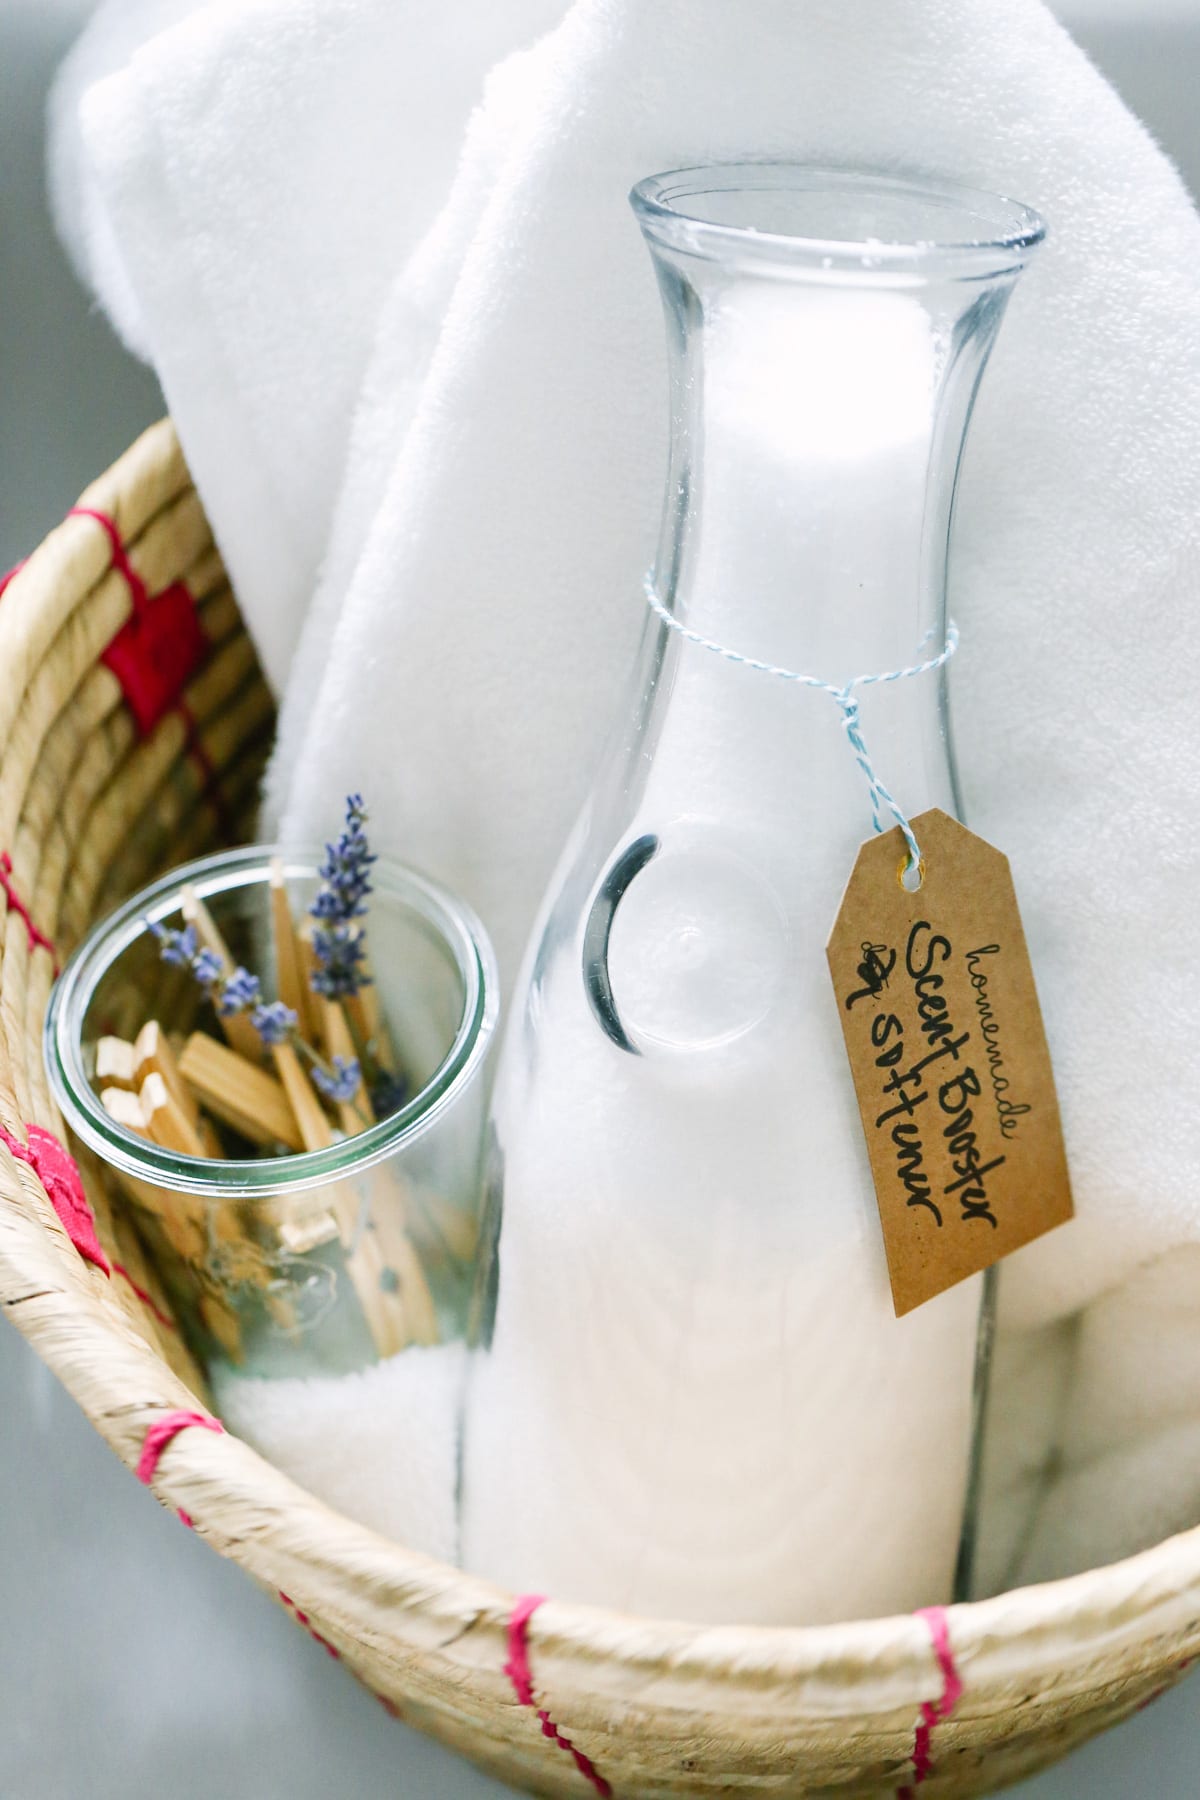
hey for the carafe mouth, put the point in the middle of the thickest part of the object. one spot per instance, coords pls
(846, 221)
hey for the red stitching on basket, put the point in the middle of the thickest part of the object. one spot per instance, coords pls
(521, 1675)
(159, 649)
(59, 1174)
(147, 1300)
(138, 591)
(933, 1712)
(302, 1618)
(1157, 1693)
(163, 1432)
(9, 573)
(37, 937)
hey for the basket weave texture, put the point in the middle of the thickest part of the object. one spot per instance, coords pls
(958, 1704)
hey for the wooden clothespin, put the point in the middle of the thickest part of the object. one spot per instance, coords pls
(291, 980)
(186, 1222)
(396, 1253)
(239, 1092)
(367, 1020)
(223, 1324)
(180, 1217)
(353, 1115)
(308, 968)
(116, 1063)
(382, 1310)
(125, 1107)
(239, 1032)
(316, 1133)
(154, 1055)
(166, 1121)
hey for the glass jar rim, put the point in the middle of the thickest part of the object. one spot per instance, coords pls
(457, 927)
(981, 233)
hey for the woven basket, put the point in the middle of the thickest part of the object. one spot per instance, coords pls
(959, 1702)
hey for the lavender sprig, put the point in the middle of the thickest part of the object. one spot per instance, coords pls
(341, 1081)
(241, 992)
(208, 968)
(339, 972)
(345, 877)
(274, 1022)
(339, 953)
(175, 947)
(341, 899)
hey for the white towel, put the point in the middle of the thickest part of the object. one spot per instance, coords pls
(482, 597)
(495, 606)
(240, 180)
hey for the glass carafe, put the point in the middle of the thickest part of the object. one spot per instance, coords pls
(693, 1397)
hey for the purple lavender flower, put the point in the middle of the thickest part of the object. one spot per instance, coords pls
(341, 899)
(175, 947)
(339, 950)
(273, 1021)
(208, 968)
(345, 880)
(342, 1081)
(241, 991)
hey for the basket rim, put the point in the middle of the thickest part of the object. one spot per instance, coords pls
(1061, 1634)
(1109, 1599)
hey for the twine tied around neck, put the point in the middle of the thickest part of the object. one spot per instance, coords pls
(844, 696)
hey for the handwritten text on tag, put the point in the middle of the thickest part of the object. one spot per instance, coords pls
(948, 1054)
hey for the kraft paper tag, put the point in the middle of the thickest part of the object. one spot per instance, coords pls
(948, 1053)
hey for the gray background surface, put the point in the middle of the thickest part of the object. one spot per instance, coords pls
(134, 1663)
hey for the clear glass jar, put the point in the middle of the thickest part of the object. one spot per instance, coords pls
(318, 1262)
(697, 1401)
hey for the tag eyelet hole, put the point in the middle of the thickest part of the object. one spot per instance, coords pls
(910, 879)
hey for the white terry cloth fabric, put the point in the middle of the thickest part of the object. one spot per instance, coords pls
(240, 181)
(1130, 1444)
(381, 1445)
(482, 598)
(484, 635)
(113, 36)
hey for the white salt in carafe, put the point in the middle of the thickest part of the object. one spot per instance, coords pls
(692, 1396)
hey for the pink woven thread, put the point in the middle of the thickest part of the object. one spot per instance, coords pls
(120, 560)
(138, 591)
(1157, 1693)
(160, 1434)
(147, 1300)
(37, 938)
(59, 1174)
(163, 1432)
(521, 1675)
(302, 1618)
(933, 1712)
(9, 573)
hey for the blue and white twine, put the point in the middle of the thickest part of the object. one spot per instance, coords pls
(844, 696)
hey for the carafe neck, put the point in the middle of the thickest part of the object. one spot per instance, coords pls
(820, 394)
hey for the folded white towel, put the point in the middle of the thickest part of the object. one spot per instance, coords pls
(482, 596)
(1129, 1448)
(240, 180)
(495, 606)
